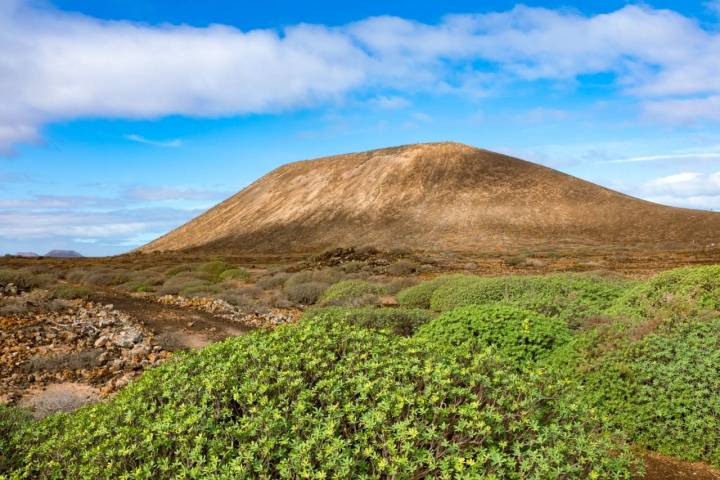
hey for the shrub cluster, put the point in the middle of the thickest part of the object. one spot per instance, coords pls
(347, 291)
(12, 422)
(305, 293)
(401, 321)
(571, 297)
(23, 280)
(661, 390)
(520, 335)
(324, 399)
(678, 293)
(419, 296)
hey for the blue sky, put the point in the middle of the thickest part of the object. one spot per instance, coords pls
(120, 119)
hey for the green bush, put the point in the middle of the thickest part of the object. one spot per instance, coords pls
(350, 290)
(305, 293)
(106, 278)
(682, 292)
(179, 269)
(520, 335)
(661, 390)
(214, 268)
(70, 292)
(402, 321)
(572, 297)
(12, 422)
(22, 280)
(419, 296)
(177, 283)
(324, 399)
(199, 290)
(235, 274)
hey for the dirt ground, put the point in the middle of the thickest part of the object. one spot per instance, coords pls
(663, 468)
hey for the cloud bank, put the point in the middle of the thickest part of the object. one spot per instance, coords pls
(57, 66)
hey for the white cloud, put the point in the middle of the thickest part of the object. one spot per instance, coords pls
(687, 110)
(684, 189)
(670, 156)
(685, 185)
(174, 143)
(58, 66)
(390, 102)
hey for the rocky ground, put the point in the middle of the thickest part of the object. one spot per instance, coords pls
(84, 342)
(78, 352)
(220, 308)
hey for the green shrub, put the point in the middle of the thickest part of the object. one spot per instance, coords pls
(235, 274)
(419, 296)
(176, 283)
(70, 292)
(402, 321)
(571, 297)
(179, 269)
(682, 292)
(520, 335)
(214, 268)
(324, 399)
(103, 277)
(22, 280)
(348, 290)
(305, 293)
(199, 290)
(12, 422)
(661, 390)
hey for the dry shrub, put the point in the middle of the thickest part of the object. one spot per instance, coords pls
(398, 284)
(403, 267)
(305, 293)
(70, 292)
(272, 281)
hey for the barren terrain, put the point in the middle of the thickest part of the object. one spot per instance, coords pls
(434, 197)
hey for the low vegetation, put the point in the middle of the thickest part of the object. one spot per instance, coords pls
(325, 398)
(571, 297)
(463, 377)
(521, 336)
(350, 291)
(401, 321)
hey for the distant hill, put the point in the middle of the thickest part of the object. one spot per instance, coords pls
(63, 254)
(441, 196)
(27, 254)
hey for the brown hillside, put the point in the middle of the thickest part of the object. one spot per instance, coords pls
(441, 196)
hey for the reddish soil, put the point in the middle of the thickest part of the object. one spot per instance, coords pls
(174, 327)
(659, 467)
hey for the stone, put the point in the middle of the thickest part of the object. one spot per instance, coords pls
(128, 338)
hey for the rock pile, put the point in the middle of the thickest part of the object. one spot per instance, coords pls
(9, 290)
(85, 342)
(222, 309)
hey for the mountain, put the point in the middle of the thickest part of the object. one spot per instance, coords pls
(63, 254)
(440, 196)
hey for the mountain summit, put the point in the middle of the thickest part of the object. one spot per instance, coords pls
(439, 196)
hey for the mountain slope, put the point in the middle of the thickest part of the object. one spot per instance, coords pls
(441, 196)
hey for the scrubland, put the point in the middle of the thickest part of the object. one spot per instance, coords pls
(397, 368)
